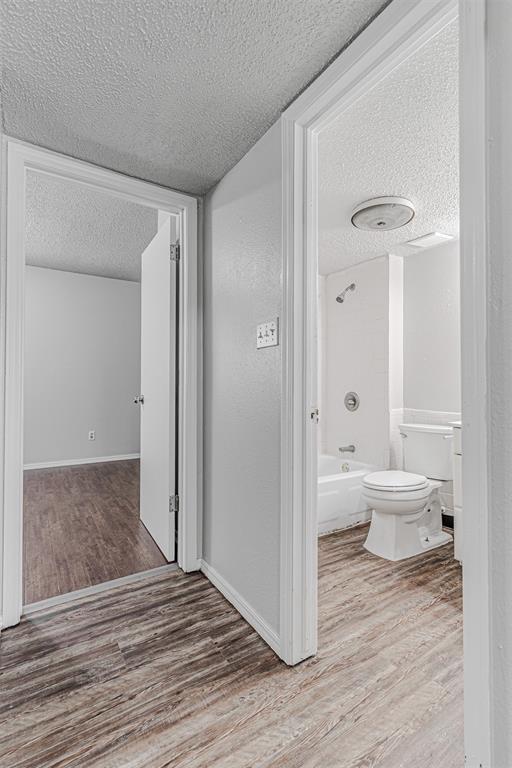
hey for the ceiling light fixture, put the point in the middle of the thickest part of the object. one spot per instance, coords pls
(382, 213)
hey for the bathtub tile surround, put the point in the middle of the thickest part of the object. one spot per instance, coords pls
(356, 358)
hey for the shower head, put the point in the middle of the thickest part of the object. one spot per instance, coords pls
(341, 298)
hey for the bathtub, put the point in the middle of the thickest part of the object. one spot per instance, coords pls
(339, 493)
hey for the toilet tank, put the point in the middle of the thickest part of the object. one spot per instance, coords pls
(428, 450)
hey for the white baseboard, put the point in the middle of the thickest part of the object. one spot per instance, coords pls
(75, 462)
(243, 608)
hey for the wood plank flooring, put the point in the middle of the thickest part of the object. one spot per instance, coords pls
(164, 673)
(81, 527)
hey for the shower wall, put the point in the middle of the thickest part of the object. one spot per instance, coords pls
(355, 356)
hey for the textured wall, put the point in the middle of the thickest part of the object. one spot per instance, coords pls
(82, 366)
(242, 288)
(174, 92)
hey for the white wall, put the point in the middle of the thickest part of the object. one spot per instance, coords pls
(432, 329)
(242, 287)
(398, 337)
(396, 359)
(82, 366)
(321, 352)
(356, 358)
(499, 339)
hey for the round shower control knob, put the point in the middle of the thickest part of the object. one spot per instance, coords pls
(351, 401)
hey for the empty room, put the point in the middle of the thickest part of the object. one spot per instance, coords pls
(82, 375)
(255, 357)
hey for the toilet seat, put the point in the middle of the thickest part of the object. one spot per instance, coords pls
(395, 481)
(400, 500)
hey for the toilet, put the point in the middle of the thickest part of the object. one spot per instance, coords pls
(406, 508)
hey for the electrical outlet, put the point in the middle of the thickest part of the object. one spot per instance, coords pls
(92, 434)
(267, 334)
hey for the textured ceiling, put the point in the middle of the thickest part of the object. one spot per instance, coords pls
(79, 229)
(401, 139)
(175, 92)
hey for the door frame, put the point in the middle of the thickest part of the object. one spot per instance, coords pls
(389, 40)
(17, 158)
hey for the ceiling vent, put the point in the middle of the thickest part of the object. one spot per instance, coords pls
(427, 241)
(382, 214)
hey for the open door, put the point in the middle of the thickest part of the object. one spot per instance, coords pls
(158, 422)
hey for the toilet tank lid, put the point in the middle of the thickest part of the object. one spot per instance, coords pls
(434, 429)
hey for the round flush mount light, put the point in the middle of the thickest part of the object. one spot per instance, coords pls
(382, 213)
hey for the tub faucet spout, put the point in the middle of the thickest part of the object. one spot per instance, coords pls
(347, 449)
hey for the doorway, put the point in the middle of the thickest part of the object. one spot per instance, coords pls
(397, 34)
(389, 372)
(98, 456)
(161, 533)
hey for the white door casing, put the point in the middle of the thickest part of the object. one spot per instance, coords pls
(158, 423)
(17, 158)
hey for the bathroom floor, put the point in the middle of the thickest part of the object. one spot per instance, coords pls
(81, 527)
(164, 672)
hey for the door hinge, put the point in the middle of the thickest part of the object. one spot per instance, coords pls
(174, 503)
(175, 251)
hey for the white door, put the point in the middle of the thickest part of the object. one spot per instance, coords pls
(158, 420)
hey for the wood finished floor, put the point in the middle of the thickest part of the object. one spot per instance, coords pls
(81, 527)
(165, 673)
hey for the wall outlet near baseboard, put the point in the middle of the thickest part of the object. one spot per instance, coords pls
(92, 434)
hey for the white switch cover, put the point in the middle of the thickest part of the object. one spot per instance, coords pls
(267, 334)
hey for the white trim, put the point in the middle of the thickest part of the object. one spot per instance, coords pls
(3, 294)
(20, 157)
(475, 400)
(418, 416)
(78, 462)
(242, 606)
(190, 393)
(394, 36)
(96, 589)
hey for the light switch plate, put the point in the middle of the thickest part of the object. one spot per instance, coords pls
(267, 334)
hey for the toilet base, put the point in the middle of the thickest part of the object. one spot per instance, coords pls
(396, 537)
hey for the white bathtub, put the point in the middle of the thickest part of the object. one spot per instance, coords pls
(339, 493)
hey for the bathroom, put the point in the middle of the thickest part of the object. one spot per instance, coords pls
(390, 356)
(389, 366)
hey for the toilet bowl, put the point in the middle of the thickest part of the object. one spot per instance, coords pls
(406, 514)
(406, 508)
